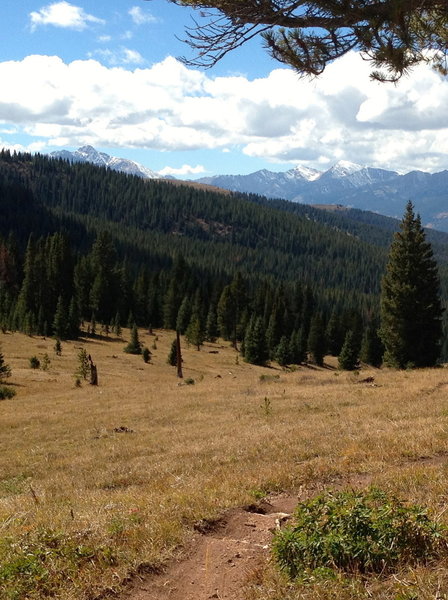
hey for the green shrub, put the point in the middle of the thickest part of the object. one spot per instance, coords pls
(189, 381)
(6, 392)
(146, 354)
(34, 362)
(45, 362)
(357, 532)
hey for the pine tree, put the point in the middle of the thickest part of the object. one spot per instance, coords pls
(60, 321)
(184, 315)
(134, 346)
(411, 311)
(335, 334)
(282, 352)
(349, 356)
(5, 370)
(194, 333)
(211, 325)
(172, 356)
(73, 319)
(255, 346)
(372, 349)
(317, 342)
(274, 330)
(83, 364)
(297, 347)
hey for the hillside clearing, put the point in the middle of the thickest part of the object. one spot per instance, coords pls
(97, 481)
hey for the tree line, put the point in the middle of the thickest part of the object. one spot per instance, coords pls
(110, 250)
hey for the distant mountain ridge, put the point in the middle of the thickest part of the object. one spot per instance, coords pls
(349, 184)
(353, 185)
(88, 154)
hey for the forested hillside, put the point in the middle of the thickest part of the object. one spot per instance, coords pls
(83, 243)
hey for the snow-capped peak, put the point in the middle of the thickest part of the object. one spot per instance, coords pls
(89, 154)
(343, 168)
(305, 173)
(101, 159)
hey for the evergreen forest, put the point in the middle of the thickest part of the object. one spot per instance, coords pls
(88, 250)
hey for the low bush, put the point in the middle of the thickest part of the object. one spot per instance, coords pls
(34, 362)
(357, 532)
(6, 392)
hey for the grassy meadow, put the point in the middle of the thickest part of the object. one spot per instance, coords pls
(99, 482)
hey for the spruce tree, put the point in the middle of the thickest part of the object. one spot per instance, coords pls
(372, 349)
(194, 333)
(211, 325)
(335, 334)
(184, 315)
(5, 370)
(282, 352)
(134, 346)
(349, 356)
(60, 322)
(411, 311)
(317, 342)
(255, 346)
(172, 356)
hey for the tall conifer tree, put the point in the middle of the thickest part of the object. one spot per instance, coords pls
(411, 311)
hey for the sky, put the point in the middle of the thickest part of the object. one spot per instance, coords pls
(106, 73)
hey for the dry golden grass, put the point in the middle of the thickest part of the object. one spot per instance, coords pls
(91, 503)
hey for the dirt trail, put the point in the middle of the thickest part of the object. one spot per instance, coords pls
(218, 561)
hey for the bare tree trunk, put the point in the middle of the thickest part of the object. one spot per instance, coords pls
(93, 372)
(178, 356)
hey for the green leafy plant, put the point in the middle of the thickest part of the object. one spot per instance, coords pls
(357, 532)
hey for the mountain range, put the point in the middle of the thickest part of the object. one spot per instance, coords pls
(347, 184)
(352, 185)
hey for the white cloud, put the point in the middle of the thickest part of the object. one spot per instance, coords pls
(62, 14)
(141, 17)
(280, 117)
(120, 56)
(183, 170)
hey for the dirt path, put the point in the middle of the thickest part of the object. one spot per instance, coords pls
(218, 561)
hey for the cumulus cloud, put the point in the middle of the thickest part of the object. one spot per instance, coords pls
(141, 17)
(62, 14)
(183, 170)
(281, 118)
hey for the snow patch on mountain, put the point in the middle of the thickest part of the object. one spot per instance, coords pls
(305, 173)
(89, 154)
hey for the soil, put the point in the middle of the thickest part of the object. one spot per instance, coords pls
(220, 557)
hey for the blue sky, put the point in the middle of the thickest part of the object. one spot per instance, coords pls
(105, 73)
